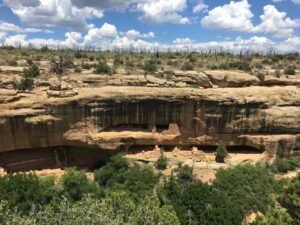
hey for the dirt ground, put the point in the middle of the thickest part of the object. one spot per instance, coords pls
(203, 163)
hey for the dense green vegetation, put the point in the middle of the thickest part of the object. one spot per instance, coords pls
(162, 161)
(290, 199)
(125, 192)
(283, 165)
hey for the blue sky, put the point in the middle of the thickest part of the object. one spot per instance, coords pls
(152, 23)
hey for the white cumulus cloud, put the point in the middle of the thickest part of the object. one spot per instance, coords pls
(277, 23)
(200, 7)
(182, 41)
(163, 11)
(235, 16)
(10, 27)
(53, 13)
(95, 35)
(134, 34)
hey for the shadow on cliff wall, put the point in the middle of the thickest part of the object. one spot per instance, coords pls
(52, 158)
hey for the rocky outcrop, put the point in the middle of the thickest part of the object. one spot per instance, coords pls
(193, 78)
(83, 118)
(121, 118)
(282, 81)
(225, 78)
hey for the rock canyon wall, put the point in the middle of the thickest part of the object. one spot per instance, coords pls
(109, 119)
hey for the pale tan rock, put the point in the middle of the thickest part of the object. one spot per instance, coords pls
(181, 84)
(176, 149)
(155, 80)
(292, 80)
(226, 78)
(195, 150)
(192, 77)
(55, 83)
(7, 82)
(62, 94)
(117, 118)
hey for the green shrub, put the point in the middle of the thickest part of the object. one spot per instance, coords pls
(102, 68)
(277, 73)
(86, 66)
(13, 63)
(184, 173)
(292, 56)
(290, 199)
(78, 55)
(118, 61)
(244, 66)
(162, 161)
(91, 58)
(259, 66)
(21, 191)
(75, 184)
(266, 62)
(61, 64)
(290, 70)
(187, 66)
(274, 216)
(25, 84)
(224, 66)
(213, 67)
(196, 202)
(261, 76)
(77, 70)
(38, 58)
(283, 165)
(29, 62)
(221, 153)
(249, 187)
(275, 59)
(117, 165)
(150, 66)
(192, 58)
(129, 65)
(117, 175)
(115, 209)
(32, 72)
(170, 62)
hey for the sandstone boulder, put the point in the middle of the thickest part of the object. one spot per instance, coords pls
(8, 96)
(59, 85)
(192, 77)
(271, 80)
(133, 80)
(224, 78)
(155, 80)
(7, 82)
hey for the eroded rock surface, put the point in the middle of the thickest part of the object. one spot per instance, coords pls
(123, 112)
(117, 118)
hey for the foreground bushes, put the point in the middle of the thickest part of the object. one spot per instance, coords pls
(121, 194)
(115, 209)
(235, 193)
(290, 199)
(283, 165)
(23, 192)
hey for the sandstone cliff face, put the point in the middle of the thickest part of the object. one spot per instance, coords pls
(84, 118)
(122, 118)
